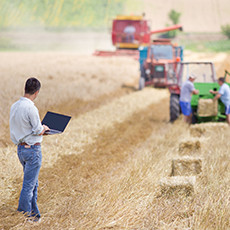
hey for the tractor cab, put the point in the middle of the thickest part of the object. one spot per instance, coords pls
(161, 52)
(128, 32)
(158, 63)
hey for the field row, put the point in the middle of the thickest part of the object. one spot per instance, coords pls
(91, 137)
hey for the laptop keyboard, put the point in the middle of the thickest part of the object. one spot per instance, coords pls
(53, 131)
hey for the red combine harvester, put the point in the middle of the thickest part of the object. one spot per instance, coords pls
(129, 33)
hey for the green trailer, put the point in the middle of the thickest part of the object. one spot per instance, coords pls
(205, 94)
(206, 80)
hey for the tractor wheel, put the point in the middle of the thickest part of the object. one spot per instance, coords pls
(141, 83)
(174, 107)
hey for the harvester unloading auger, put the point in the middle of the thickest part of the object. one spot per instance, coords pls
(129, 33)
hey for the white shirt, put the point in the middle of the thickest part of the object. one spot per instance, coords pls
(25, 124)
(186, 91)
(224, 91)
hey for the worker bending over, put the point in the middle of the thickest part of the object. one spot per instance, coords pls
(224, 95)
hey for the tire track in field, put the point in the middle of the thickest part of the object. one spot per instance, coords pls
(84, 130)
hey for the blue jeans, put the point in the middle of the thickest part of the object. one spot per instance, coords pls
(31, 160)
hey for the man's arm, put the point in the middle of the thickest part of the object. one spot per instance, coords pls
(195, 91)
(192, 88)
(218, 95)
(213, 92)
(45, 128)
(37, 127)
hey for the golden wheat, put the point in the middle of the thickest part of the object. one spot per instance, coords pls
(104, 170)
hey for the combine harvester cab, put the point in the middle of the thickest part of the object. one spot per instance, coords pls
(140, 34)
(127, 44)
(129, 33)
(203, 107)
(158, 63)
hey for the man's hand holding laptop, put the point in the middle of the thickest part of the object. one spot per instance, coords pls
(45, 129)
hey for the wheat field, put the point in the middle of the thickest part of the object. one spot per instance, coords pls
(105, 170)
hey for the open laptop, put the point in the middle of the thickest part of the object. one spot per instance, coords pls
(56, 122)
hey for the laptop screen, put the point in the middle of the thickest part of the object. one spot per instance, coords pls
(56, 121)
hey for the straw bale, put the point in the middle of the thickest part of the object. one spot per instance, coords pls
(198, 130)
(178, 185)
(207, 107)
(189, 147)
(214, 125)
(186, 166)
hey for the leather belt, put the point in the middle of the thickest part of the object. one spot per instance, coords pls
(24, 143)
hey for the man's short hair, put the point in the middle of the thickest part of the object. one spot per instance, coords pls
(221, 79)
(32, 85)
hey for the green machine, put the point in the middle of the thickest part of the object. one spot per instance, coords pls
(205, 94)
(206, 80)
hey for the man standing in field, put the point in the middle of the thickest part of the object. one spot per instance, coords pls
(187, 89)
(26, 132)
(224, 95)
